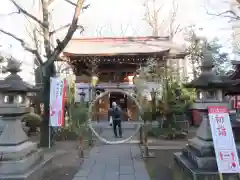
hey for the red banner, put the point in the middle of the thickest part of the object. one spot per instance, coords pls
(236, 102)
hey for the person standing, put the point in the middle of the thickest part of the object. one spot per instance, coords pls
(116, 114)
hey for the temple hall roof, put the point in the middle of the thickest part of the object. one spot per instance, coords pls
(110, 46)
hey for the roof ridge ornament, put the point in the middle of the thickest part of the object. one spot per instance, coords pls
(208, 78)
(13, 66)
(13, 82)
(207, 61)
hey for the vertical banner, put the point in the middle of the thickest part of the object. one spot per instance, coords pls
(223, 140)
(57, 101)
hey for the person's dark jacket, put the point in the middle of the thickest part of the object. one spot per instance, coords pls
(115, 113)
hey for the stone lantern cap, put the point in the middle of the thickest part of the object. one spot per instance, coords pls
(208, 79)
(13, 82)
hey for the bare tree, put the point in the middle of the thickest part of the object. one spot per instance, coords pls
(232, 15)
(124, 29)
(162, 25)
(51, 52)
(158, 24)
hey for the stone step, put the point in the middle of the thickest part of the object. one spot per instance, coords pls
(200, 162)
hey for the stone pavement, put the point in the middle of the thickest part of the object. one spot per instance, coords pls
(113, 162)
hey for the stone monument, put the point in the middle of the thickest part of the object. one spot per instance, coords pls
(197, 160)
(20, 158)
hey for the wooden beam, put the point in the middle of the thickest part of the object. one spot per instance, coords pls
(118, 70)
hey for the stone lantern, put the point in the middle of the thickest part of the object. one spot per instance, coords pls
(209, 87)
(19, 156)
(197, 160)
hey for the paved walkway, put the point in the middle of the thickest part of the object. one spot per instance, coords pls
(113, 162)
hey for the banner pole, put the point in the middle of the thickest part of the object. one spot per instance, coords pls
(220, 176)
(49, 136)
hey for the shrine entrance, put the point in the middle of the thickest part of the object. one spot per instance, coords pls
(102, 105)
(119, 98)
(138, 122)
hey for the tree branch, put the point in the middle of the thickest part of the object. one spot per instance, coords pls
(26, 13)
(24, 45)
(70, 2)
(147, 15)
(68, 37)
(227, 14)
(9, 14)
(74, 4)
(123, 31)
(38, 56)
(64, 27)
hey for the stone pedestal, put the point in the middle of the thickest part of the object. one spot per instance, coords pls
(183, 169)
(20, 158)
(197, 160)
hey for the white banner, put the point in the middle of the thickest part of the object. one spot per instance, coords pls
(223, 140)
(57, 101)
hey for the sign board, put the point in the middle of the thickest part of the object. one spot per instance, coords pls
(150, 86)
(223, 140)
(82, 88)
(85, 87)
(57, 100)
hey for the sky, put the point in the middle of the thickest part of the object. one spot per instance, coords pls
(108, 18)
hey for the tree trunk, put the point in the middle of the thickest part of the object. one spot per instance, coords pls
(49, 72)
(38, 81)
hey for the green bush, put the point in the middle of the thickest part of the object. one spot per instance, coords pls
(167, 133)
(147, 116)
(32, 120)
(79, 113)
(65, 134)
(72, 132)
(156, 132)
(179, 108)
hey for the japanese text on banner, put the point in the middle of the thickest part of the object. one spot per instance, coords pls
(223, 140)
(57, 101)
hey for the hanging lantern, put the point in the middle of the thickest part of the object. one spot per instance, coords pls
(94, 81)
(129, 79)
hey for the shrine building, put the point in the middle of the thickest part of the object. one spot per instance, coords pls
(234, 91)
(115, 61)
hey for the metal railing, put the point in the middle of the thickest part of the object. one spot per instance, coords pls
(143, 140)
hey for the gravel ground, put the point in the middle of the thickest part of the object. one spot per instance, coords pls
(64, 166)
(161, 167)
